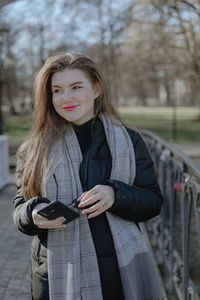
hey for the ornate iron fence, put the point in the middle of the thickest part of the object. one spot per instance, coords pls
(175, 234)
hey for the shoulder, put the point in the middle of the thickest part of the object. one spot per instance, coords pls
(140, 147)
(135, 136)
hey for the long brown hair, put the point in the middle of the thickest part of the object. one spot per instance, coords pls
(48, 126)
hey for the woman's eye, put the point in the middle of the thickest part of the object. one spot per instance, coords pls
(76, 87)
(56, 91)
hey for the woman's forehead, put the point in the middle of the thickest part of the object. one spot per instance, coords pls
(68, 76)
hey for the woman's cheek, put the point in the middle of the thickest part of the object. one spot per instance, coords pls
(56, 102)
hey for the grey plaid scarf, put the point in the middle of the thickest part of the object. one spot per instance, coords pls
(72, 262)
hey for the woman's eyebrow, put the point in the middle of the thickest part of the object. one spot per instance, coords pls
(77, 82)
(71, 84)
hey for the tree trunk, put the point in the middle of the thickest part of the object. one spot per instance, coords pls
(9, 96)
(168, 92)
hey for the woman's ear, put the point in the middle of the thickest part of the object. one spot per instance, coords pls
(97, 90)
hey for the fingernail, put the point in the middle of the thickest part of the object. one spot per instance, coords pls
(84, 211)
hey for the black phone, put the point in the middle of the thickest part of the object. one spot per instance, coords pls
(57, 209)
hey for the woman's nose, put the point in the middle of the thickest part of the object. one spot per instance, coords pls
(67, 95)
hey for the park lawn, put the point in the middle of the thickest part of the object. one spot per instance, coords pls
(160, 121)
(156, 119)
(16, 127)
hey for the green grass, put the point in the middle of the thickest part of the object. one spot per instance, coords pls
(16, 127)
(156, 119)
(160, 121)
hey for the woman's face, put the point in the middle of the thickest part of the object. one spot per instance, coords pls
(74, 95)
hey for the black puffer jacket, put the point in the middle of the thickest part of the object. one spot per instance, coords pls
(138, 203)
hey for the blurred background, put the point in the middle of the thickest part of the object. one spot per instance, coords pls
(148, 51)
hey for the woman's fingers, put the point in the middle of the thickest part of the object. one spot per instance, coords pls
(81, 197)
(99, 205)
(49, 224)
(86, 195)
(43, 222)
(35, 210)
(96, 213)
(90, 200)
(103, 194)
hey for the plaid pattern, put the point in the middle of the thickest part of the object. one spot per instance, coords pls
(72, 262)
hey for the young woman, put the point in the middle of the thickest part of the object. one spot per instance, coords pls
(79, 139)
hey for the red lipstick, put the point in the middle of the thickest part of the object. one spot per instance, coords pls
(69, 108)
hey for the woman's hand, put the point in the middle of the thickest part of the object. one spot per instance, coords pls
(42, 222)
(105, 196)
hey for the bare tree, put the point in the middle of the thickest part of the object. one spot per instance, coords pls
(185, 16)
(8, 66)
(6, 2)
(161, 49)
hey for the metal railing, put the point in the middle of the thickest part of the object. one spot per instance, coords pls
(175, 234)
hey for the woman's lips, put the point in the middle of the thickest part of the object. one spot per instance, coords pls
(69, 108)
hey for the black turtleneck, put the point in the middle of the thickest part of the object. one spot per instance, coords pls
(84, 134)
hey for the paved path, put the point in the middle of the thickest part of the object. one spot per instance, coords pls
(14, 253)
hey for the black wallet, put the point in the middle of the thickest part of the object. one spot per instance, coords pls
(57, 209)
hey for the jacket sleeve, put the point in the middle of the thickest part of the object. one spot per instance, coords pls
(143, 200)
(22, 214)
